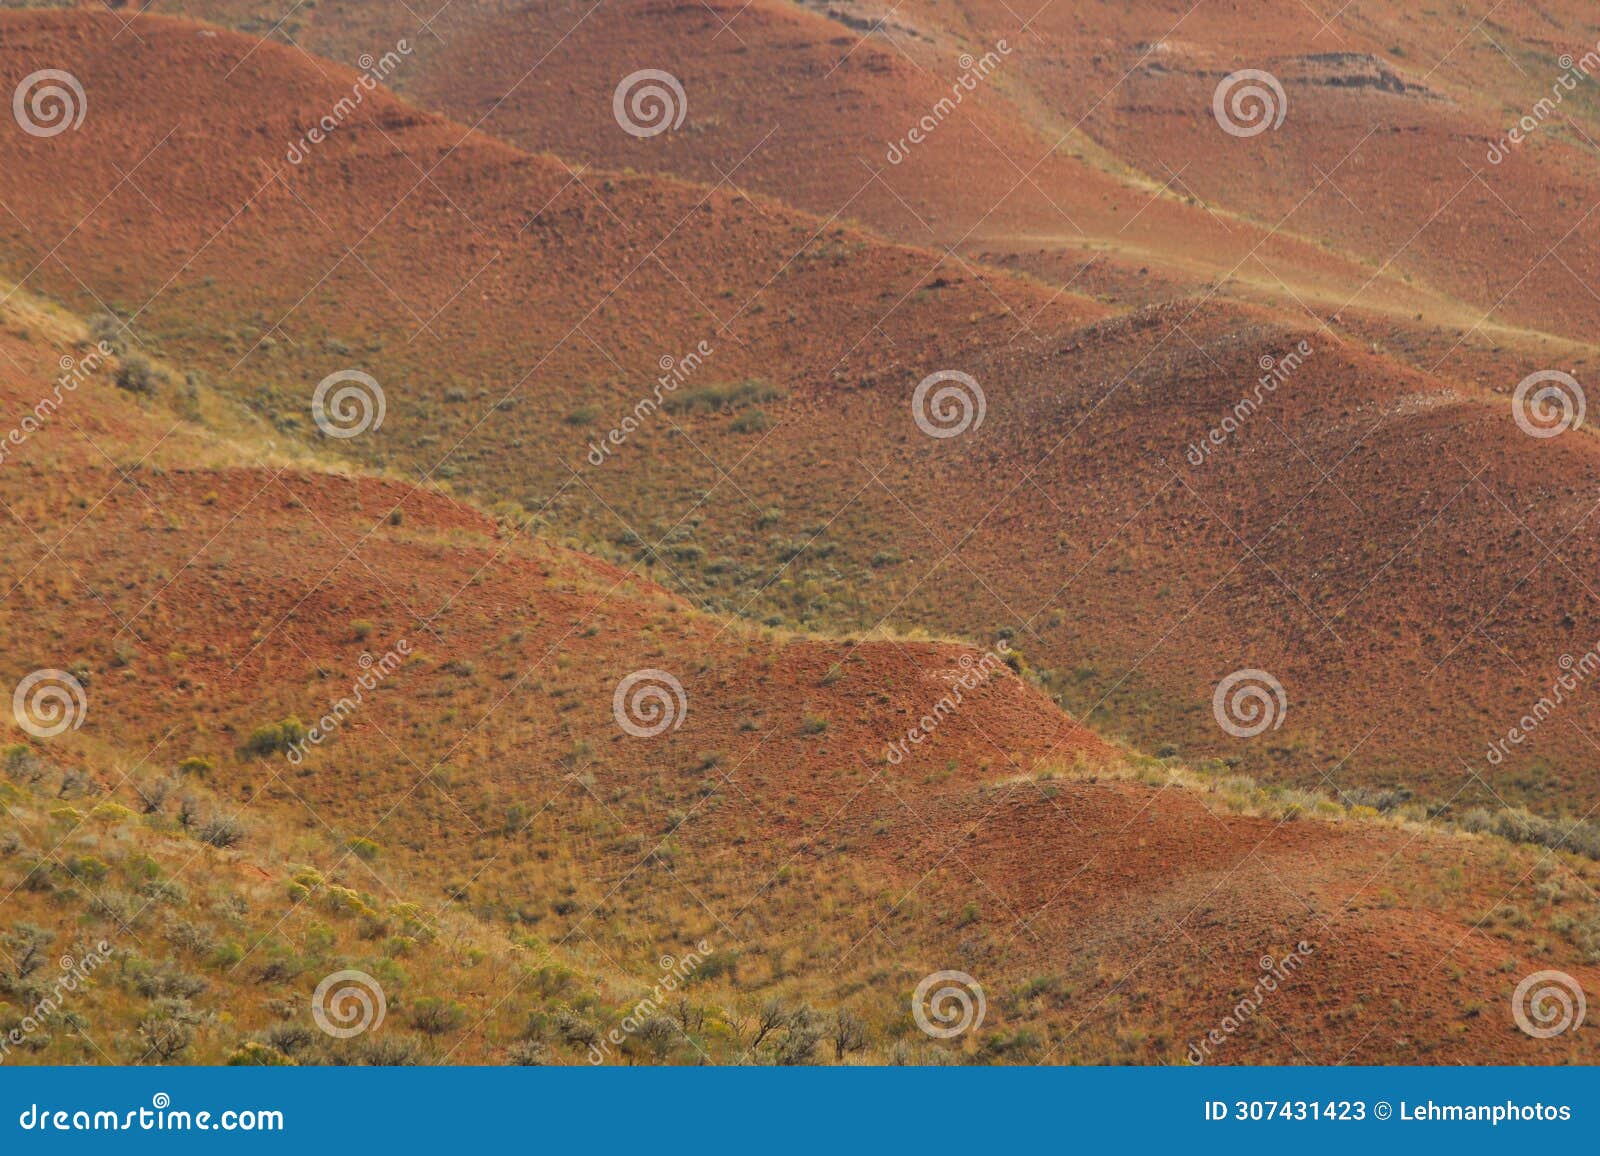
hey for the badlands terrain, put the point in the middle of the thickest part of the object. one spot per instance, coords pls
(904, 534)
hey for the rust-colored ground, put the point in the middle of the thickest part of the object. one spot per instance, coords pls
(1381, 535)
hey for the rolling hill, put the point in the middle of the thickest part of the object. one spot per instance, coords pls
(519, 311)
(477, 830)
(619, 417)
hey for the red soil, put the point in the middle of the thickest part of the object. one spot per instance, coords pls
(1385, 597)
(1119, 889)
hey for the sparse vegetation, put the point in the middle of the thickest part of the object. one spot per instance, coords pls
(275, 738)
(136, 375)
(765, 879)
(721, 398)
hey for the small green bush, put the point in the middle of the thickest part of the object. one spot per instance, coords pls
(727, 397)
(275, 737)
(436, 1017)
(136, 375)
